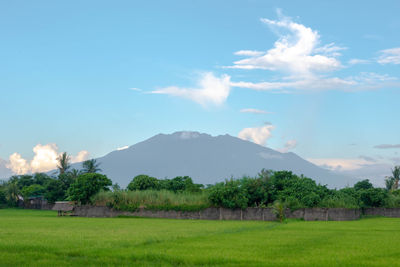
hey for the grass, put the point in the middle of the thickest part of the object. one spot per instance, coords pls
(32, 237)
(153, 200)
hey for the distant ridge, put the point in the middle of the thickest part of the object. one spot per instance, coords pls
(207, 159)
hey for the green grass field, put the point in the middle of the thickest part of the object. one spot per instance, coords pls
(31, 237)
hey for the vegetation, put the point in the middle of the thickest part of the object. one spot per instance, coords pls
(86, 186)
(40, 238)
(153, 200)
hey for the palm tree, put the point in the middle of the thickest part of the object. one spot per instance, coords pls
(63, 162)
(75, 173)
(396, 176)
(91, 166)
(389, 182)
(12, 193)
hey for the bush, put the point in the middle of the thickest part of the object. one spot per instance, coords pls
(86, 186)
(373, 197)
(363, 185)
(144, 182)
(229, 194)
(152, 200)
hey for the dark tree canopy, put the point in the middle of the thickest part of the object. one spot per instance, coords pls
(86, 186)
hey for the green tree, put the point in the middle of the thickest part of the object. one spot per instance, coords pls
(396, 177)
(12, 193)
(63, 162)
(91, 166)
(86, 186)
(32, 190)
(55, 191)
(144, 182)
(229, 194)
(389, 183)
(74, 173)
(364, 184)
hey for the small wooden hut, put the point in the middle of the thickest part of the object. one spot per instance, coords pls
(62, 207)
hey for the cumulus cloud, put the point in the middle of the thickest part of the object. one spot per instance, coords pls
(389, 56)
(305, 64)
(81, 156)
(255, 111)
(44, 159)
(17, 164)
(210, 90)
(258, 135)
(289, 145)
(387, 146)
(297, 51)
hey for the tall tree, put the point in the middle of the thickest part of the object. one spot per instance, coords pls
(63, 162)
(91, 166)
(396, 176)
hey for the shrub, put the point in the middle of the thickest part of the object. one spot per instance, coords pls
(152, 200)
(373, 197)
(144, 182)
(86, 186)
(228, 194)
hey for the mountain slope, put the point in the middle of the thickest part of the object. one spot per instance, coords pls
(207, 160)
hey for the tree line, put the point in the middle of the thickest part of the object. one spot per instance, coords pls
(266, 189)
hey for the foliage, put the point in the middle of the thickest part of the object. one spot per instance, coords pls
(144, 182)
(64, 162)
(363, 185)
(229, 194)
(152, 199)
(55, 190)
(91, 166)
(373, 197)
(86, 186)
(32, 190)
(279, 210)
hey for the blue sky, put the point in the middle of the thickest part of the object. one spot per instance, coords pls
(319, 78)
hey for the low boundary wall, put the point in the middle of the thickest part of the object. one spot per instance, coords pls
(259, 214)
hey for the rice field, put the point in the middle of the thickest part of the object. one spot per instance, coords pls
(40, 238)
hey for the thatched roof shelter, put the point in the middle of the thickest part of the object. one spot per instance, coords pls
(63, 206)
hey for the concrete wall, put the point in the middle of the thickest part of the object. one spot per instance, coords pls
(387, 212)
(320, 214)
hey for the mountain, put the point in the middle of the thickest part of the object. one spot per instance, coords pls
(207, 159)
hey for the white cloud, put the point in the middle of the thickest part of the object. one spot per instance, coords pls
(364, 81)
(388, 56)
(122, 148)
(250, 53)
(45, 159)
(290, 144)
(17, 164)
(296, 52)
(340, 164)
(81, 156)
(258, 135)
(307, 65)
(135, 89)
(255, 111)
(210, 90)
(355, 61)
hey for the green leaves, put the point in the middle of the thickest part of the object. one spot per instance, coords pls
(86, 186)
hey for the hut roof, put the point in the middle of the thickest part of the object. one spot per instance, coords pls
(63, 206)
